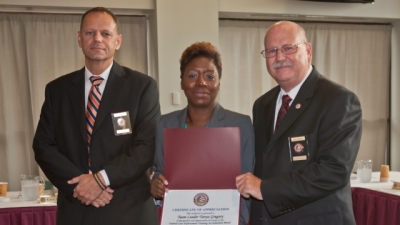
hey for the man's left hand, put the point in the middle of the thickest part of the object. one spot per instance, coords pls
(104, 198)
(87, 189)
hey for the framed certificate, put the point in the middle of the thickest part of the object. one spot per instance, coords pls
(201, 165)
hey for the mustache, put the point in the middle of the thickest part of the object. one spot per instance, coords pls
(281, 64)
(96, 46)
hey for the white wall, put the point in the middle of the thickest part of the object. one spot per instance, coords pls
(179, 24)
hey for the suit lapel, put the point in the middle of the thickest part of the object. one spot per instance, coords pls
(298, 106)
(181, 117)
(270, 113)
(111, 93)
(77, 97)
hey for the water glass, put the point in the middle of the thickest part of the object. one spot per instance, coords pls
(29, 187)
(364, 170)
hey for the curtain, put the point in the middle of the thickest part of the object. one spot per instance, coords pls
(356, 56)
(37, 48)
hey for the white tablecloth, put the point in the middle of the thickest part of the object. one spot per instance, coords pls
(385, 187)
(18, 203)
(375, 185)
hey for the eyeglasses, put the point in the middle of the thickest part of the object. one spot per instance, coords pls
(286, 49)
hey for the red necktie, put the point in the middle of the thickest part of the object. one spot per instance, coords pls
(283, 110)
(93, 105)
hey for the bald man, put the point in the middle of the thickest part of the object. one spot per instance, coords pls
(99, 167)
(307, 136)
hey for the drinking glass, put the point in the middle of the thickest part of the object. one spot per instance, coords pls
(364, 170)
(41, 185)
(29, 187)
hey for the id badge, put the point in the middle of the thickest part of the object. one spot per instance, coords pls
(121, 123)
(298, 148)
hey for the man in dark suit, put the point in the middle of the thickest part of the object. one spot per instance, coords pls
(303, 161)
(99, 166)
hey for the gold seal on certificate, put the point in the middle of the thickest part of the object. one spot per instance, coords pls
(200, 199)
(201, 166)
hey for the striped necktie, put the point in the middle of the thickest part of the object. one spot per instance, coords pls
(283, 110)
(93, 105)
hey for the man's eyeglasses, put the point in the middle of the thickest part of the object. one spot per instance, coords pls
(286, 49)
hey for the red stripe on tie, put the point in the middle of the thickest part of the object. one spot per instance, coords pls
(91, 112)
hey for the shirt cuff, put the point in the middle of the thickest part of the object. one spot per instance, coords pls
(157, 202)
(105, 177)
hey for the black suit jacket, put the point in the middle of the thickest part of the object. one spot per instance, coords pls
(60, 144)
(317, 190)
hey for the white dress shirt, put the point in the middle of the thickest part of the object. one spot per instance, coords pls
(292, 94)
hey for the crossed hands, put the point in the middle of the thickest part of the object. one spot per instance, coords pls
(88, 192)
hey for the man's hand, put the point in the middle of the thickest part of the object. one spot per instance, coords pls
(249, 185)
(87, 189)
(158, 187)
(104, 198)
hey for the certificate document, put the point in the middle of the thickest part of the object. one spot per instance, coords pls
(201, 165)
(202, 158)
(199, 207)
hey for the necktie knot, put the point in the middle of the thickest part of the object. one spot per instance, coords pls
(283, 110)
(96, 80)
(286, 99)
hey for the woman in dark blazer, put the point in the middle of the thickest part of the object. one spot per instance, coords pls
(201, 69)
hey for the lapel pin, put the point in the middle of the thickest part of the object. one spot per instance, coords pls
(298, 106)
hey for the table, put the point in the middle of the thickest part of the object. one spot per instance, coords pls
(376, 202)
(20, 212)
(373, 203)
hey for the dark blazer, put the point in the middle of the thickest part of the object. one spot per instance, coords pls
(317, 190)
(60, 145)
(220, 118)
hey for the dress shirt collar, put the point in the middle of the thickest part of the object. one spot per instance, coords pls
(104, 74)
(293, 93)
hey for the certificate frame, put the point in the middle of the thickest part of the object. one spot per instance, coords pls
(201, 161)
(202, 158)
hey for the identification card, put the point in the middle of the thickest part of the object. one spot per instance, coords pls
(298, 148)
(197, 207)
(121, 123)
